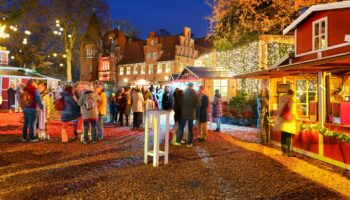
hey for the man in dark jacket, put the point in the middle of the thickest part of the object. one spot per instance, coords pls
(203, 115)
(127, 101)
(188, 111)
(11, 98)
(30, 111)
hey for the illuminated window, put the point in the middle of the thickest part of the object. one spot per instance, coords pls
(221, 85)
(150, 69)
(3, 57)
(152, 42)
(121, 71)
(136, 68)
(154, 55)
(90, 51)
(105, 66)
(319, 34)
(181, 67)
(167, 68)
(143, 69)
(128, 70)
(159, 69)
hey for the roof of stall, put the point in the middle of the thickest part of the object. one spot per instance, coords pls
(22, 72)
(206, 72)
(283, 68)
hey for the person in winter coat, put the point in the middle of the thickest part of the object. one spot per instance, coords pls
(71, 109)
(137, 108)
(217, 109)
(102, 110)
(89, 101)
(203, 115)
(120, 105)
(30, 111)
(178, 95)
(11, 93)
(188, 109)
(127, 101)
(167, 99)
(286, 121)
(112, 108)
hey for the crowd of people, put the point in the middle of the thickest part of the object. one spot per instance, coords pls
(85, 105)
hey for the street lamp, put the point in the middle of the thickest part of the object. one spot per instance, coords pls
(125, 80)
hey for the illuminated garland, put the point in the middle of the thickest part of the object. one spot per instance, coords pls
(322, 130)
(325, 132)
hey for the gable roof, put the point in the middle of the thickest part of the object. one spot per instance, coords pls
(133, 52)
(207, 72)
(22, 72)
(168, 47)
(93, 31)
(316, 8)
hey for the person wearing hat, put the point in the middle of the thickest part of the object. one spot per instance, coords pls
(188, 111)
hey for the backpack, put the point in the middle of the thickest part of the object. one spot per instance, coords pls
(25, 100)
(89, 103)
(59, 104)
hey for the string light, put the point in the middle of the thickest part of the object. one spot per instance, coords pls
(3, 34)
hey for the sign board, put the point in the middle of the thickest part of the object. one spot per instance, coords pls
(283, 88)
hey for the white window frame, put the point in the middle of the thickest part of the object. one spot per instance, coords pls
(105, 66)
(136, 69)
(149, 55)
(154, 55)
(159, 68)
(319, 34)
(121, 71)
(128, 70)
(150, 69)
(167, 68)
(220, 87)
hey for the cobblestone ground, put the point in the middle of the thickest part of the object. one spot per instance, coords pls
(228, 166)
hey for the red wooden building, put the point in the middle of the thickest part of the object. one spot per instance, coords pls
(16, 75)
(319, 72)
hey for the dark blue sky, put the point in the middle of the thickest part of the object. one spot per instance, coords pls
(173, 15)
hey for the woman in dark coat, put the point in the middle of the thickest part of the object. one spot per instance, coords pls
(11, 97)
(71, 109)
(203, 115)
(178, 96)
(217, 109)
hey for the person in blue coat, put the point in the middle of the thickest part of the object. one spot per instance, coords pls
(71, 109)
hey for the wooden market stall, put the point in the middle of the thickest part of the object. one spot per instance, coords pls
(10, 75)
(319, 73)
(210, 78)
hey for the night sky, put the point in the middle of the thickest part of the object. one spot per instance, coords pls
(173, 15)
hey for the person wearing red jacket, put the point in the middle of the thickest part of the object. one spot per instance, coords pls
(30, 111)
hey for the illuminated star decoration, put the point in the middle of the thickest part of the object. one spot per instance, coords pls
(2, 32)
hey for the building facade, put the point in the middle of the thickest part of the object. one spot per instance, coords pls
(116, 58)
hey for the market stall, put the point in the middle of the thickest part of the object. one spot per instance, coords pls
(15, 76)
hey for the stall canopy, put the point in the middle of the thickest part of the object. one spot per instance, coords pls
(338, 63)
(9, 71)
(204, 72)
